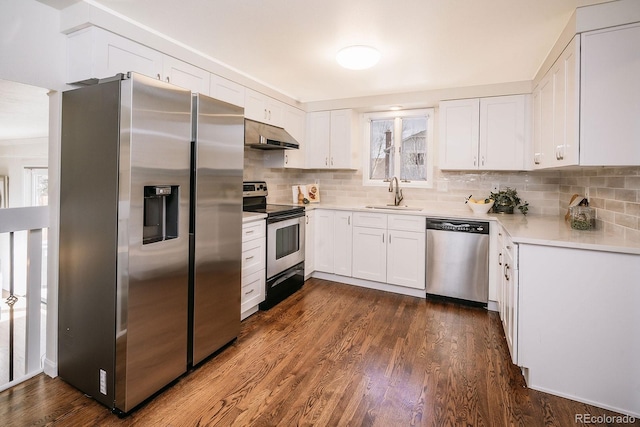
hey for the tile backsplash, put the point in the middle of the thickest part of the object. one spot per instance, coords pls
(613, 192)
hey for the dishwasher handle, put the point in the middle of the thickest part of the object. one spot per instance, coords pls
(475, 227)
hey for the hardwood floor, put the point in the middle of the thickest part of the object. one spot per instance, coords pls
(332, 355)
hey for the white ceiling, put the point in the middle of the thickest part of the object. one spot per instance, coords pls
(290, 45)
(24, 111)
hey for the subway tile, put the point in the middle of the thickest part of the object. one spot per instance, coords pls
(626, 220)
(605, 193)
(615, 182)
(614, 205)
(632, 235)
(632, 209)
(597, 181)
(626, 195)
(632, 182)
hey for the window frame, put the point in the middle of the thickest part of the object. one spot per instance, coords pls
(398, 116)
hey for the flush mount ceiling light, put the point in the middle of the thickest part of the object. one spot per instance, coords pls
(358, 57)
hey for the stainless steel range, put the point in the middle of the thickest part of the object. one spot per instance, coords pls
(285, 243)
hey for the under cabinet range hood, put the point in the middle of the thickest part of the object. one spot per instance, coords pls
(267, 137)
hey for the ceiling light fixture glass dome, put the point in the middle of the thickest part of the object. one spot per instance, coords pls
(358, 57)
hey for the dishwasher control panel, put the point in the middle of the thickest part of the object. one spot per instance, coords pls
(458, 225)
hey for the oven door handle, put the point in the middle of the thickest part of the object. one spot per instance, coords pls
(280, 218)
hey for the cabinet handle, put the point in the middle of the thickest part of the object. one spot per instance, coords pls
(383, 238)
(348, 220)
(286, 159)
(500, 258)
(250, 292)
(475, 161)
(536, 158)
(326, 161)
(249, 231)
(269, 114)
(307, 221)
(249, 258)
(158, 76)
(389, 238)
(168, 79)
(506, 271)
(265, 114)
(332, 161)
(482, 160)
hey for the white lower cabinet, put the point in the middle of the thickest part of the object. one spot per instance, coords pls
(578, 324)
(333, 242)
(253, 267)
(309, 243)
(507, 290)
(389, 248)
(510, 296)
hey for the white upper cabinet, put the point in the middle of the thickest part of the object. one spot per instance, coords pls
(459, 134)
(226, 90)
(504, 129)
(295, 124)
(486, 133)
(185, 75)
(556, 113)
(610, 97)
(263, 108)
(329, 138)
(96, 53)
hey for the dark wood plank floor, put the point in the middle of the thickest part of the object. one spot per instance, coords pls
(332, 355)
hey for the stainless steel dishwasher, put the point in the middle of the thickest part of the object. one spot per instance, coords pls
(458, 259)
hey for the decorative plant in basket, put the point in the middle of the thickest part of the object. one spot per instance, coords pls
(506, 200)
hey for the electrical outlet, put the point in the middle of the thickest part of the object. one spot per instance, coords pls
(495, 187)
(103, 381)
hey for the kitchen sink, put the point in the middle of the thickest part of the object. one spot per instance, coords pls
(394, 208)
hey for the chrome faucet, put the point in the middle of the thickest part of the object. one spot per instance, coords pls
(398, 194)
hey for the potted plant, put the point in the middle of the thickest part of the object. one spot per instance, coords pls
(506, 200)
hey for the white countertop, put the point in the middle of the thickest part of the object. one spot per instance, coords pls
(546, 230)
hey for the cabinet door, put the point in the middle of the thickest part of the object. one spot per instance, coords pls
(324, 241)
(185, 75)
(309, 243)
(340, 139)
(226, 90)
(511, 301)
(503, 132)
(370, 253)
(263, 108)
(342, 243)
(96, 53)
(610, 97)
(253, 289)
(565, 107)
(318, 136)
(406, 258)
(459, 132)
(255, 106)
(546, 154)
(295, 124)
(275, 112)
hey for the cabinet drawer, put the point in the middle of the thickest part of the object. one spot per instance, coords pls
(253, 256)
(252, 290)
(371, 220)
(407, 223)
(253, 230)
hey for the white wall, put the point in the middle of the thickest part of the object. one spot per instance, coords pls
(33, 51)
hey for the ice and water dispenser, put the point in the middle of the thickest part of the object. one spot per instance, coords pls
(160, 213)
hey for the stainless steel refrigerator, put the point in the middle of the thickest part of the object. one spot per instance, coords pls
(129, 305)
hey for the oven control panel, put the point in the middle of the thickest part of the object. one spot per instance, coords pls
(254, 188)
